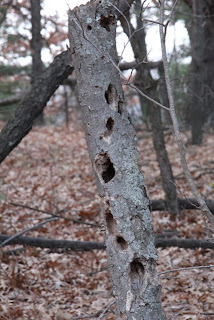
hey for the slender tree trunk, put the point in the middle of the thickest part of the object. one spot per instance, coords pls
(145, 83)
(112, 148)
(201, 33)
(208, 59)
(36, 46)
(197, 44)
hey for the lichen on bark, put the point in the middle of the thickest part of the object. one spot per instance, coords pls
(130, 240)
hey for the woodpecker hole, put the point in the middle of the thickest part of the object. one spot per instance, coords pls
(110, 222)
(111, 97)
(107, 134)
(107, 21)
(110, 124)
(122, 244)
(104, 167)
(89, 27)
(120, 107)
(136, 275)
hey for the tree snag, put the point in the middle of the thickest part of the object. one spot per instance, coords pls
(111, 141)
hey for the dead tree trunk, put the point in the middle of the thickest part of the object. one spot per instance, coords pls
(111, 143)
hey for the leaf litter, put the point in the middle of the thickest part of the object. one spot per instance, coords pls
(50, 170)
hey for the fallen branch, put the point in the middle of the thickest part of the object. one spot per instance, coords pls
(88, 245)
(184, 243)
(17, 235)
(55, 244)
(186, 269)
(185, 204)
(58, 214)
(30, 108)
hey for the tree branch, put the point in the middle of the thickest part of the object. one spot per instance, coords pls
(11, 238)
(57, 215)
(23, 118)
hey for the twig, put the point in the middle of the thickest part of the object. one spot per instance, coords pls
(106, 310)
(186, 269)
(147, 97)
(95, 315)
(173, 9)
(122, 14)
(26, 230)
(179, 190)
(57, 215)
(187, 173)
(152, 21)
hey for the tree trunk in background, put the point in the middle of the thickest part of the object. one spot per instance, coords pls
(208, 76)
(201, 33)
(112, 148)
(145, 83)
(163, 95)
(36, 46)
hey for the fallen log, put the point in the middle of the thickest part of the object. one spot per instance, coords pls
(185, 204)
(88, 245)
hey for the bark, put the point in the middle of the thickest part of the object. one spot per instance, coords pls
(146, 84)
(67, 245)
(36, 46)
(23, 118)
(111, 143)
(184, 204)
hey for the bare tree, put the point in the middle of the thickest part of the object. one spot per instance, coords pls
(111, 144)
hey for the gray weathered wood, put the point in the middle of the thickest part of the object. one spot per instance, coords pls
(111, 141)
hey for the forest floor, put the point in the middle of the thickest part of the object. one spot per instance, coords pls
(50, 170)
